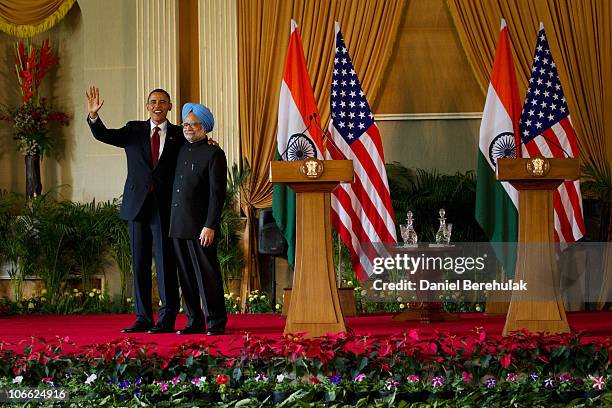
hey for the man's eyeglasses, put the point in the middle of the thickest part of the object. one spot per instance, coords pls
(193, 125)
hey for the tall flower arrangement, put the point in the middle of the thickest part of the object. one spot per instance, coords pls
(31, 119)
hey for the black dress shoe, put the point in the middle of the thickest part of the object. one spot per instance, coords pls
(159, 329)
(216, 332)
(138, 327)
(192, 330)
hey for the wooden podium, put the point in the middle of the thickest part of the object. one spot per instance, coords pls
(539, 308)
(315, 307)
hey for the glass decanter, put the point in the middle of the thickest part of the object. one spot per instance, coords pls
(409, 235)
(442, 236)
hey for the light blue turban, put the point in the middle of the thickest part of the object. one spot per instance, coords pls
(202, 112)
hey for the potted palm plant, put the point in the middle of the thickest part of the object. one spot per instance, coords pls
(230, 252)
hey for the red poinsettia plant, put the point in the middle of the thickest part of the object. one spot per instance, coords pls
(31, 119)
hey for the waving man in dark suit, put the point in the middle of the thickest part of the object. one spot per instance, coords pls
(197, 202)
(151, 148)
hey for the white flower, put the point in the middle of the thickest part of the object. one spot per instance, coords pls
(399, 299)
(201, 382)
(262, 297)
(18, 379)
(91, 379)
(280, 378)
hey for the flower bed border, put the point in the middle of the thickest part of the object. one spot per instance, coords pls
(477, 368)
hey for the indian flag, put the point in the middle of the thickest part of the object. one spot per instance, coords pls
(299, 132)
(497, 202)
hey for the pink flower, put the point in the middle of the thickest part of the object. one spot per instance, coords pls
(599, 383)
(195, 381)
(175, 380)
(360, 377)
(413, 378)
(512, 377)
(467, 377)
(164, 387)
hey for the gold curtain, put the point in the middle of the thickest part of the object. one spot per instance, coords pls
(26, 18)
(369, 29)
(579, 34)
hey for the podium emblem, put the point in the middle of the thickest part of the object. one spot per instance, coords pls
(312, 168)
(538, 166)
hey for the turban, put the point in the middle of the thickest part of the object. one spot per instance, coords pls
(202, 113)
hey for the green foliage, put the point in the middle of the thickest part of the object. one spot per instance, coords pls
(10, 250)
(424, 192)
(57, 240)
(88, 237)
(45, 235)
(229, 251)
(596, 181)
(258, 302)
(232, 303)
(118, 241)
(69, 302)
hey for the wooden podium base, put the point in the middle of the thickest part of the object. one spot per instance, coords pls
(346, 296)
(537, 317)
(497, 308)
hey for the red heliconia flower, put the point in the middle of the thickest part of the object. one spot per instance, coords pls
(32, 64)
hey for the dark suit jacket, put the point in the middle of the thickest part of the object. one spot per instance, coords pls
(135, 139)
(199, 189)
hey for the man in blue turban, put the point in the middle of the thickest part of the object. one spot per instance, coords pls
(198, 195)
(203, 114)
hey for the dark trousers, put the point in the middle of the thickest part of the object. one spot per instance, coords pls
(200, 277)
(149, 231)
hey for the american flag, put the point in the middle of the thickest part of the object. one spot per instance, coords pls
(361, 211)
(546, 130)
